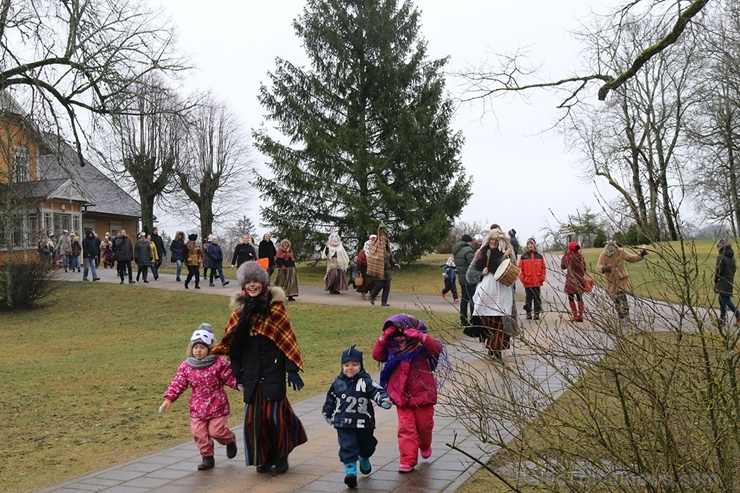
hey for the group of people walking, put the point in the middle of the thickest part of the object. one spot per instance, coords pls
(265, 361)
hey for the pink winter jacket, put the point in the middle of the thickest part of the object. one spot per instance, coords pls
(208, 399)
(412, 383)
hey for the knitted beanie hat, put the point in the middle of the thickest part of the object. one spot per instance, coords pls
(202, 335)
(252, 271)
(352, 354)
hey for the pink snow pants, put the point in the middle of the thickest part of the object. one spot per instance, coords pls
(415, 425)
(207, 430)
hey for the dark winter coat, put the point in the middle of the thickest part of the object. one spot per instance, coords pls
(349, 402)
(143, 253)
(177, 251)
(245, 252)
(267, 250)
(159, 243)
(724, 272)
(257, 359)
(123, 248)
(216, 256)
(90, 247)
(464, 255)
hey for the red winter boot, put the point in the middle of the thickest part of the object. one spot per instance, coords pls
(579, 318)
(573, 309)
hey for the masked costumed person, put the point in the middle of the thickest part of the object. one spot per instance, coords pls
(380, 265)
(367, 280)
(263, 350)
(337, 262)
(616, 276)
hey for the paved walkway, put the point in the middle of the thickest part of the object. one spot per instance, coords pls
(314, 466)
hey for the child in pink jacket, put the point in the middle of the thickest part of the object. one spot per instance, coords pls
(207, 374)
(410, 356)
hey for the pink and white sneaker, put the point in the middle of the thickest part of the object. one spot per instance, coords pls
(405, 468)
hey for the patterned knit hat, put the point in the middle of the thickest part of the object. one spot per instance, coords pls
(202, 335)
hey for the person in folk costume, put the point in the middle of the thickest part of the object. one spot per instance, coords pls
(532, 274)
(367, 280)
(380, 265)
(616, 276)
(337, 262)
(575, 266)
(493, 300)
(287, 277)
(262, 347)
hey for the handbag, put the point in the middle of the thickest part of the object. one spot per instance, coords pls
(358, 278)
(588, 284)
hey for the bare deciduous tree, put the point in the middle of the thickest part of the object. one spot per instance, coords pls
(216, 161)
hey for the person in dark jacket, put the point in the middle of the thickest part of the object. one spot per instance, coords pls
(262, 347)
(724, 279)
(177, 252)
(266, 249)
(143, 256)
(349, 408)
(124, 252)
(161, 251)
(463, 254)
(90, 252)
(216, 261)
(244, 252)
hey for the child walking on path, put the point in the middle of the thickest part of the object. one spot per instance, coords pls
(449, 272)
(411, 357)
(349, 409)
(207, 374)
(532, 273)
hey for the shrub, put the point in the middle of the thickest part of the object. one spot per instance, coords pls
(24, 285)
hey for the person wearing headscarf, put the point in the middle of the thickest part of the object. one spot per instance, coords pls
(337, 262)
(414, 367)
(367, 280)
(287, 277)
(493, 299)
(532, 273)
(616, 276)
(575, 271)
(380, 265)
(263, 349)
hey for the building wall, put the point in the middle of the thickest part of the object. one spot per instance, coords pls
(12, 135)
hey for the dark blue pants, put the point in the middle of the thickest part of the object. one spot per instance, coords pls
(355, 443)
(726, 303)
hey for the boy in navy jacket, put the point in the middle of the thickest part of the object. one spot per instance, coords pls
(349, 409)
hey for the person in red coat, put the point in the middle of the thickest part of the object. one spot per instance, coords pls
(575, 264)
(532, 273)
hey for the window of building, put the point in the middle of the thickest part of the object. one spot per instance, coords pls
(20, 164)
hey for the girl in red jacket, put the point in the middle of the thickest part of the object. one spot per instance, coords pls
(532, 274)
(411, 357)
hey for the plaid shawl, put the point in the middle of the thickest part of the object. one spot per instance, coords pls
(376, 259)
(274, 324)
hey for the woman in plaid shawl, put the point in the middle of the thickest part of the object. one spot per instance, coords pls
(262, 347)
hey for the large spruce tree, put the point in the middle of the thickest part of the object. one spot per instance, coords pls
(365, 132)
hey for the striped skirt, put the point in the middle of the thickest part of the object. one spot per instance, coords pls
(271, 430)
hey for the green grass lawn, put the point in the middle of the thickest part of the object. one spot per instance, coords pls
(86, 373)
(668, 270)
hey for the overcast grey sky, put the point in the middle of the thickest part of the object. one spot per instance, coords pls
(520, 172)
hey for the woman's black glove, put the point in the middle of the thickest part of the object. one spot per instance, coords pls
(643, 253)
(606, 269)
(295, 380)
